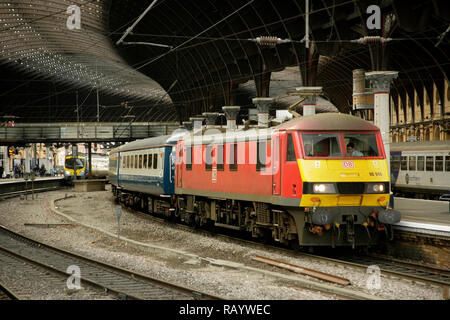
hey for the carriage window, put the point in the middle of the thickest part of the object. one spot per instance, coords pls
(429, 163)
(261, 152)
(420, 163)
(412, 163)
(150, 162)
(188, 157)
(447, 163)
(364, 145)
(322, 145)
(155, 161)
(208, 157)
(233, 156)
(220, 157)
(404, 163)
(140, 161)
(395, 163)
(144, 165)
(439, 164)
(136, 161)
(290, 150)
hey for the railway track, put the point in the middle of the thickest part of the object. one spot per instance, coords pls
(123, 283)
(7, 294)
(388, 266)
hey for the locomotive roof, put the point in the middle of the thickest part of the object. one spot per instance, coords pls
(328, 122)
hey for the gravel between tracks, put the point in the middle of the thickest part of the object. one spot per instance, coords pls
(96, 209)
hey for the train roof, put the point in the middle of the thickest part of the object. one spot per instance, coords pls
(443, 145)
(328, 122)
(152, 142)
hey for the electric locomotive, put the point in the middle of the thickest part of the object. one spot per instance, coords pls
(296, 183)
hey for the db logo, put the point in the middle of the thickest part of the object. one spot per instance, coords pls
(348, 164)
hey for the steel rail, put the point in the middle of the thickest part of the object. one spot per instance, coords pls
(399, 269)
(125, 283)
(7, 294)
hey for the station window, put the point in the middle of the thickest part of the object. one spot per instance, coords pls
(233, 157)
(404, 163)
(220, 157)
(290, 150)
(140, 161)
(155, 161)
(412, 163)
(439, 164)
(447, 162)
(429, 164)
(420, 163)
(208, 157)
(261, 152)
(188, 157)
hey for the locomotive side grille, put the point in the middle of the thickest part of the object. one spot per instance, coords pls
(262, 213)
(350, 187)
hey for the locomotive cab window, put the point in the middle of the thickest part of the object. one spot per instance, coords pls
(361, 145)
(290, 149)
(321, 145)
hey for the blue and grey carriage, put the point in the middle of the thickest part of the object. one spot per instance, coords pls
(142, 172)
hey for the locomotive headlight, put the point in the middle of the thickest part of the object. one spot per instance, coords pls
(376, 188)
(324, 188)
(67, 172)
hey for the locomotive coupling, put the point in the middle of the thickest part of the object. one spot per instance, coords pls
(329, 215)
(389, 216)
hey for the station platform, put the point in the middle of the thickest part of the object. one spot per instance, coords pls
(16, 180)
(423, 216)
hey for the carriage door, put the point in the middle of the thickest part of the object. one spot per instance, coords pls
(276, 167)
(291, 174)
(179, 164)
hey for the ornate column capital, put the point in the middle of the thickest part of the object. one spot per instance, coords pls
(380, 81)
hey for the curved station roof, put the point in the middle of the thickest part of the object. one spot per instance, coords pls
(167, 60)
